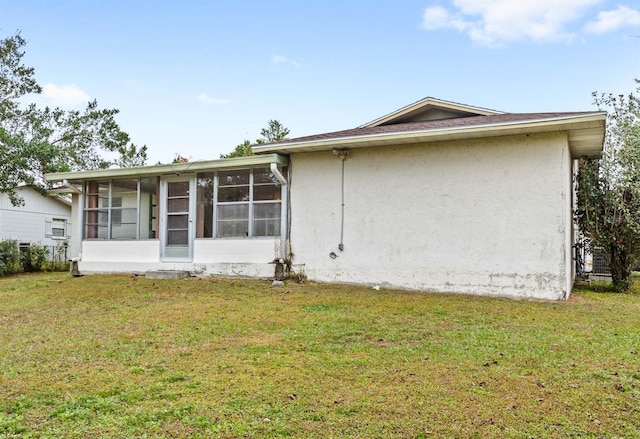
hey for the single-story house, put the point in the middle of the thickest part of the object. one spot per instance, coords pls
(436, 196)
(43, 220)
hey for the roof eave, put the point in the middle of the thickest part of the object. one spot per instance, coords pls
(59, 198)
(593, 121)
(66, 188)
(174, 168)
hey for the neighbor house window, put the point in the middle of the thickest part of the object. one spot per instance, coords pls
(239, 203)
(120, 209)
(58, 228)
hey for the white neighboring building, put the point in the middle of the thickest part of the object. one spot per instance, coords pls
(436, 196)
(43, 220)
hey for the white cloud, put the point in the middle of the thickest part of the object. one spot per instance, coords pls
(279, 59)
(609, 21)
(495, 22)
(438, 17)
(204, 98)
(65, 95)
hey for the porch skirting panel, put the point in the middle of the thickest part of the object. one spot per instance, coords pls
(229, 257)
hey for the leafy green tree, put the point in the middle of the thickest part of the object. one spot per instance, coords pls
(608, 189)
(242, 150)
(35, 140)
(272, 133)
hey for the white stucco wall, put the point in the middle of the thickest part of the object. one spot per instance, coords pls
(482, 217)
(226, 257)
(28, 223)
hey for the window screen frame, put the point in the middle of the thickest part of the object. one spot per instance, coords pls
(217, 206)
(106, 211)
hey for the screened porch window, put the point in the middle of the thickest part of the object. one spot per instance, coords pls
(120, 209)
(124, 209)
(233, 203)
(239, 203)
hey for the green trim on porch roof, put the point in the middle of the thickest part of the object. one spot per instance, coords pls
(171, 169)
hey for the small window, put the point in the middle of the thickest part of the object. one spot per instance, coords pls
(58, 228)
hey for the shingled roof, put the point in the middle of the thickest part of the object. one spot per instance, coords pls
(586, 130)
(472, 121)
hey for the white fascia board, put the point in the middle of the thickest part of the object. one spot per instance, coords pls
(440, 134)
(61, 199)
(174, 168)
(438, 103)
(65, 188)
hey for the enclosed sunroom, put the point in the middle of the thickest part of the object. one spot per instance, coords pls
(225, 217)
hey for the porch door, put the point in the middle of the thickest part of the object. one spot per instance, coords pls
(177, 228)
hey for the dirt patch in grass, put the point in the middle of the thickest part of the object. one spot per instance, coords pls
(116, 356)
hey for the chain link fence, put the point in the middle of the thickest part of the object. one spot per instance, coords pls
(56, 256)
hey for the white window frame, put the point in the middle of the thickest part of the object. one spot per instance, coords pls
(251, 203)
(113, 211)
(50, 227)
(62, 226)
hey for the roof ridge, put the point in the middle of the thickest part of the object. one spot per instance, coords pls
(426, 102)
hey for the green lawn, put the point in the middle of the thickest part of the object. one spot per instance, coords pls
(120, 357)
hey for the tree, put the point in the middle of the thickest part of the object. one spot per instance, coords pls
(608, 189)
(272, 133)
(242, 150)
(34, 141)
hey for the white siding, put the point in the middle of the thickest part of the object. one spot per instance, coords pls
(482, 217)
(28, 223)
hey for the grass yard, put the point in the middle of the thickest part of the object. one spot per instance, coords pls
(117, 356)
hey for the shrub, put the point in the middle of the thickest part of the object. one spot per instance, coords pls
(9, 257)
(34, 257)
(60, 262)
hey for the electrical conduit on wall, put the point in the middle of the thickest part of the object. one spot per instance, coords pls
(342, 154)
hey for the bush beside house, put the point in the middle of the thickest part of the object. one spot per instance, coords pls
(15, 259)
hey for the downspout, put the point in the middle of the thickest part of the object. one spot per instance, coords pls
(284, 218)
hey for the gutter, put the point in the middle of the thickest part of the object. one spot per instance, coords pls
(284, 209)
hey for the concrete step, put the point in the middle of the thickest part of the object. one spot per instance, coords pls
(167, 274)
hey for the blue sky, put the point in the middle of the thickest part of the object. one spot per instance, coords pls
(196, 78)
